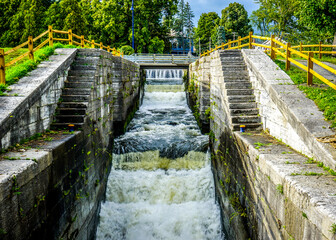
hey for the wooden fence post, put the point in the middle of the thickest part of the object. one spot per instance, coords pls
(272, 48)
(310, 65)
(229, 42)
(70, 36)
(108, 49)
(82, 41)
(51, 38)
(320, 50)
(101, 45)
(250, 40)
(288, 55)
(222, 46)
(300, 47)
(2, 67)
(31, 47)
(239, 42)
(92, 44)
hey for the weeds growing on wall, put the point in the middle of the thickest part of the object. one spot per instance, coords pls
(323, 95)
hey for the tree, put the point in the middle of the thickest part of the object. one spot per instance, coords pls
(206, 26)
(319, 15)
(8, 8)
(261, 21)
(189, 23)
(235, 19)
(281, 13)
(156, 45)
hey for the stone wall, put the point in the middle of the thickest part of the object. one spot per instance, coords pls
(30, 106)
(286, 113)
(265, 188)
(52, 187)
(199, 91)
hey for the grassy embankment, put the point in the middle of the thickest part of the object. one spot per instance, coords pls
(323, 95)
(24, 66)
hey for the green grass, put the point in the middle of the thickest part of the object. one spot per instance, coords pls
(22, 68)
(320, 93)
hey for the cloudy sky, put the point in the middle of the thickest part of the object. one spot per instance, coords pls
(204, 6)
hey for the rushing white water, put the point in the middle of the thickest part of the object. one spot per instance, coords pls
(161, 185)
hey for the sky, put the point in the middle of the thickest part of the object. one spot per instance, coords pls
(205, 6)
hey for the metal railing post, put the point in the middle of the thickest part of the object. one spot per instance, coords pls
(288, 55)
(2, 67)
(31, 47)
(173, 58)
(154, 58)
(310, 66)
(51, 38)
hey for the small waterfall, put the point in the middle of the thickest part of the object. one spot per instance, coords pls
(161, 185)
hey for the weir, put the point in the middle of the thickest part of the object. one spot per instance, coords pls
(161, 185)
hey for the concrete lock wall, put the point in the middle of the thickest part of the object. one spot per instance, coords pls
(199, 91)
(52, 189)
(266, 188)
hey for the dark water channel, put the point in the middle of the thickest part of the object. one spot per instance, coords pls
(161, 185)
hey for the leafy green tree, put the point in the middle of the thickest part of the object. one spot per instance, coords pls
(156, 45)
(235, 19)
(127, 50)
(319, 16)
(206, 28)
(260, 20)
(281, 13)
(8, 8)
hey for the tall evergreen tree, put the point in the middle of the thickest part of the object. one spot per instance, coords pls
(206, 27)
(189, 23)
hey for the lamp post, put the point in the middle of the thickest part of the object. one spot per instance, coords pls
(132, 9)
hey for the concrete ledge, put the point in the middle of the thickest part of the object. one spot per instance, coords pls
(296, 113)
(31, 104)
(305, 204)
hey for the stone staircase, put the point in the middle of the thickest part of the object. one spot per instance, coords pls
(77, 90)
(240, 97)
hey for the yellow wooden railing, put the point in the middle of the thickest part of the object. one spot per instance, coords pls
(277, 48)
(72, 39)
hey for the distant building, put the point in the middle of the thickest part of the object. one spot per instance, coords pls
(177, 44)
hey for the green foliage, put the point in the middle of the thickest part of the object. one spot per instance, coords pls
(322, 95)
(206, 27)
(279, 188)
(235, 19)
(127, 50)
(333, 228)
(156, 45)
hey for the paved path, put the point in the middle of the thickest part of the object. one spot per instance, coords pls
(325, 73)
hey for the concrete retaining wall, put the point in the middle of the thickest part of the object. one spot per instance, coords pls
(51, 187)
(265, 188)
(199, 90)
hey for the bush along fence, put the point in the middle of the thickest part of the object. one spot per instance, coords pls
(278, 48)
(72, 39)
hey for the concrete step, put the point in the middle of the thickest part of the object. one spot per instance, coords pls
(236, 74)
(65, 126)
(239, 92)
(243, 105)
(82, 73)
(76, 91)
(76, 66)
(241, 99)
(235, 68)
(245, 119)
(81, 79)
(77, 85)
(75, 98)
(70, 118)
(86, 60)
(64, 104)
(91, 53)
(230, 59)
(248, 126)
(244, 112)
(237, 85)
(70, 111)
(236, 80)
